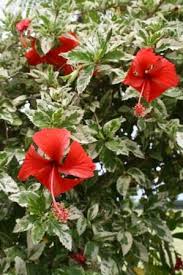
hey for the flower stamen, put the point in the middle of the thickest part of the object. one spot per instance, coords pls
(58, 209)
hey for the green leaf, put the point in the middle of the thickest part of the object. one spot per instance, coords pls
(3, 158)
(103, 44)
(174, 93)
(103, 235)
(23, 224)
(113, 56)
(41, 119)
(79, 56)
(36, 251)
(38, 117)
(10, 117)
(159, 109)
(81, 225)
(130, 93)
(84, 78)
(22, 198)
(93, 211)
(126, 240)
(112, 126)
(137, 175)
(91, 250)
(46, 44)
(38, 230)
(74, 213)
(20, 266)
(133, 147)
(162, 230)
(123, 184)
(109, 267)
(118, 146)
(70, 270)
(142, 251)
(7, 184)
(68, 118)
(109, 159)
(66, 239)
(63, 235)
(178, 235)
(179, 139)
(84, 135)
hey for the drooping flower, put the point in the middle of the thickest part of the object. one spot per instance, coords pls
(79, 257)
(56, 163)
(33, 56)
(67, 42)
(151, 75)
(23, 25)
(178, 264)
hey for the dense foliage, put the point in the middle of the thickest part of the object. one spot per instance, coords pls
(108, 231)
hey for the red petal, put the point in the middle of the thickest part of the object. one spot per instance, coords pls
(67, 69)
(32, 164)
(132, 80)
(33, 56)
(53, 58)
(58, 181)
(68, 184)
(52, 142)
(77, 162)
(144, 59)
(68, 42)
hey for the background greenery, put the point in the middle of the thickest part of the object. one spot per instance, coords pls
(116, 233)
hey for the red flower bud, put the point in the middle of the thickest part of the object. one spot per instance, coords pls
(23, 25)
(79, 257)
(178, 264)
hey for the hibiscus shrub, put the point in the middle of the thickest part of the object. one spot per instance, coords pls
(91, 141)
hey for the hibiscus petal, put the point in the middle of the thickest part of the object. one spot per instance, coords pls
(132, 80)
(46, 178)
(32, 164)
(163, 76)
(68, 42)
(144, 59)
(52, 142)
(33, 56)
(77, 162)
(68, 184)
(67, 69)
(53, 58)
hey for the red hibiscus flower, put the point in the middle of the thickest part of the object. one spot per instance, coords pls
(79, 257)
(57, 164)
(23, 25)
(151, 74)
(53, 165)
(67, 42)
